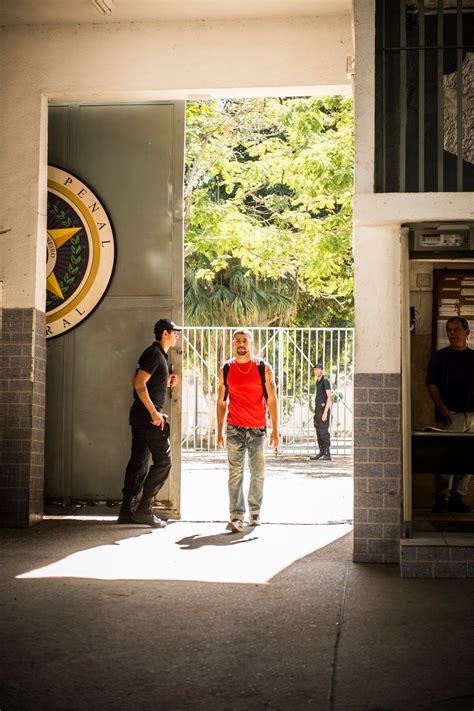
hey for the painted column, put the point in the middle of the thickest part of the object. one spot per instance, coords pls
(377, 380)
(22, 272)
(377, 388)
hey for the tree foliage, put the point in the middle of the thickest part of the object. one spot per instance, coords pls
(268, 212)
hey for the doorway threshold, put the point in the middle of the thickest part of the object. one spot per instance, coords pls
(437, 554)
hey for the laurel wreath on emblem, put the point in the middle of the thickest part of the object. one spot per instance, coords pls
(75, 261)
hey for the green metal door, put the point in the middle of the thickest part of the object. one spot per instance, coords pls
(132, 157)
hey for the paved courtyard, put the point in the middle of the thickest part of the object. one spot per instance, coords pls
(297, 490)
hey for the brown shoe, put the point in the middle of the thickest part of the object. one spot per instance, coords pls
(235, 525)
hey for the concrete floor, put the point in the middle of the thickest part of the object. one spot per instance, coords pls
(100, 616)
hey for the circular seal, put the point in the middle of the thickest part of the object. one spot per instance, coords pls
(80, 252)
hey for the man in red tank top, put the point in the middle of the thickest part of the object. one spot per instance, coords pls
(242, 399)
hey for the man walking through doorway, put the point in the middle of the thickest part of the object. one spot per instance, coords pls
(246, 388)
(322, 413)
(150, 428)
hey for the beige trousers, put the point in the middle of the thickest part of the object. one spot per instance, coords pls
(446, 484)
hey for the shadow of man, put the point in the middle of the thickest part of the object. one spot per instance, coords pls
(221, 539)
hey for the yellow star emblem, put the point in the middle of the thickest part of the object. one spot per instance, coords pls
(56, 239)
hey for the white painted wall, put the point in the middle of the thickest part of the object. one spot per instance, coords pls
(364, 96)
(396, 208)
(23, 182)
(129, 62)
(377, 299)
(145, 59)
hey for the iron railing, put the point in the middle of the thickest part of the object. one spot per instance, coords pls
(291, 352)
(424, 66)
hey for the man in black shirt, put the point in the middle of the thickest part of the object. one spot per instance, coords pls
(322, 412)
(150, 428)
(450, 383)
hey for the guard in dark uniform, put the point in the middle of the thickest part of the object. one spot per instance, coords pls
(322, 413)
(150, 428)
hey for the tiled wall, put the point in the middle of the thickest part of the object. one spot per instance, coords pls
(377, 467)
(437, 555)
(22, 412)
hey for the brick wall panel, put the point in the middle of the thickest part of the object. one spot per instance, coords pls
(377, 467)
(22, 401)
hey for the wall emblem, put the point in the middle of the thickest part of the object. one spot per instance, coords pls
(80, 252)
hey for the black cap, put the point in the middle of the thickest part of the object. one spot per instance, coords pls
(317, 365)
(164, 324)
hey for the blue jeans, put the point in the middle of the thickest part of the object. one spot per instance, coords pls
(239, 441)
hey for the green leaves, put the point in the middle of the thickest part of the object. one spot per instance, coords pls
(268, 205)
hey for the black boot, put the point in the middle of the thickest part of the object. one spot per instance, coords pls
(144, 514)
(456, 503)
(326, 456)
(125, 513)
(320, 455)
(441, 504)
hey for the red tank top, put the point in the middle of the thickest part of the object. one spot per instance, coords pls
(247, 406)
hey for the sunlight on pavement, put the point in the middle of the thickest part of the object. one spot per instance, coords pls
(296, 490)
(201, 552)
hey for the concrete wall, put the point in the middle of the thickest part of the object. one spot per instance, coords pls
(136, 62)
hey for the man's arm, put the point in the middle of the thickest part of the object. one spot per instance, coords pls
(324, 416)
(172, 380)
(436, 374)
(272, 403)
(139, 383)
(221, 410)
(441, 408)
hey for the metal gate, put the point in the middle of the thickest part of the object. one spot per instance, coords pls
(132, 155)
(291, 353)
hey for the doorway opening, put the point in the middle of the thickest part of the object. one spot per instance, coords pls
(268, 225)
(441, 285)
(268, 243)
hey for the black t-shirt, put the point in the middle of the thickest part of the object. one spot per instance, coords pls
(153, 360)
(321, 387)
(453, 372)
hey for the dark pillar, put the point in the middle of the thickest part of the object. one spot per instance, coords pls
(377, 468)
(22, 416)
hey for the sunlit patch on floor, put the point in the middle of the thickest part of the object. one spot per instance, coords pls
(202, 552)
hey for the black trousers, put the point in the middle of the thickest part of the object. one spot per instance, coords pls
(147, 439)
(322, 428)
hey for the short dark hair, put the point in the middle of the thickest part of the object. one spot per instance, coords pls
(461, 320)
(164, 324)
(244, 331)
